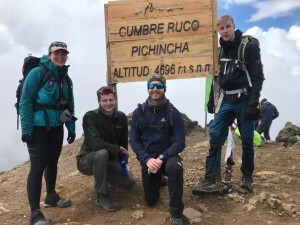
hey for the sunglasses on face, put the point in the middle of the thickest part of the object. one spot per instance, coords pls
(58, 44)
(105, 91)
(158, 86)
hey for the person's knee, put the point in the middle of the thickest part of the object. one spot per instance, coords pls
(101, 155)
(213, 133)
(151, 200)
(247, 143)
(176, 169)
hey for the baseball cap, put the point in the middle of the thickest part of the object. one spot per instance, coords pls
(57, 45)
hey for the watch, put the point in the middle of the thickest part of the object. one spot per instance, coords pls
(161, 157)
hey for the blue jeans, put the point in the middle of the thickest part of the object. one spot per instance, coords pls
(219, 129)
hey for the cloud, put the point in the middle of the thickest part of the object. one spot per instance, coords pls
(274, 9)
(228, 3)
(280, 56)
(80, 23)
(265, 8)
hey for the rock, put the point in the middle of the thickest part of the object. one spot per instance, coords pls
(255, 200)
(263, 196)
(288, 135)
(274, 203)
(287, 179)
(236, 197)
(262, 173)
(3, 209)
(192, 215)
(202, 208)
(138, 214)
(249, 207)
(289, 208)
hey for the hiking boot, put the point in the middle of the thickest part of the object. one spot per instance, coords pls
(246, 183)
(37, 218)
(207, 187)
(107, 203)
(176, 221)
(54, 200)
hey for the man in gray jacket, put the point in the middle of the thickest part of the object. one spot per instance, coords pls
(105, 144)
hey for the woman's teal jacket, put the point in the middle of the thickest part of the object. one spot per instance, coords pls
(49, 94)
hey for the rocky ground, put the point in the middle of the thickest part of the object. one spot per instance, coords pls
(275, 198)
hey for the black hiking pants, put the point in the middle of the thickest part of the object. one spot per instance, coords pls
(44, 153)
(152, 182)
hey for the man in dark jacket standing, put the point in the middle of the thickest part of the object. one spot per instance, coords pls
(268, 113)
(157, 137)
(105, 142)
(239, 97)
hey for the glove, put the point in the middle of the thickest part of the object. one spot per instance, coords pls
(252, 113)
(210, 107)
(211, 101)
(28, 138)
(71, 137)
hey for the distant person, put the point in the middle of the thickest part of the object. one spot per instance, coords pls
(42, 112)
(105, 144)
(239, 96)
(257, 121)
(268, 113)
(157, 137)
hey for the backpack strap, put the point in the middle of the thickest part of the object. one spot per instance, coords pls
(46, 77)
(220, 53)
(70, 90)
(241, 57)
(141, 121)
(170, 109)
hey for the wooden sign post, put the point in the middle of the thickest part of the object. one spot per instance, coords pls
(174, 38)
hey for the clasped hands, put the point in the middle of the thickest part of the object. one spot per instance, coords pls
(154, 165)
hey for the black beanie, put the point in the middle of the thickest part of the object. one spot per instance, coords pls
(158, 78)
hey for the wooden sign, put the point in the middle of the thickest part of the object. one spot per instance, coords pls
(174, 38)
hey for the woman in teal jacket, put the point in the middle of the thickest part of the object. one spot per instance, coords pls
(43, 111)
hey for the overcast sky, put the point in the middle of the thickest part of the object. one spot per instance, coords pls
(30, 26)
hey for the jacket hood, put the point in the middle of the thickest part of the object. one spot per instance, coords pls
(52, 67)
(160, 106)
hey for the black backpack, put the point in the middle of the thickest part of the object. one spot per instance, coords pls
(141, 121)
(241, 53)
(30, 62)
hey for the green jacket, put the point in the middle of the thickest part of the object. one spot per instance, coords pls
(104, 132)
(47, 95)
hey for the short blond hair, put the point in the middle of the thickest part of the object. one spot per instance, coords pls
(223, 19)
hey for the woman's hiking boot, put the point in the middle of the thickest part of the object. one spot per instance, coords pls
(176, 221)
(54, 200)
(37, 218)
